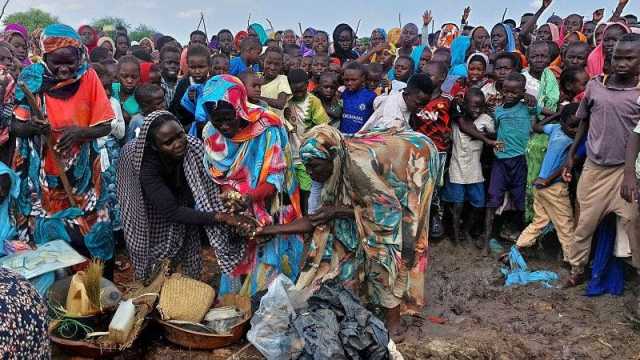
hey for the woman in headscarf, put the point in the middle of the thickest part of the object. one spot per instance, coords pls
(550, 32)
(478, 36)
(89, 37)
(7, 99)
(384, 181)
(77, 112)
(459, 49)
(107, 43)
(240, 35)
(377, 45)
(502, 39)
(147, 43)
(343, 41)
(257, 30)
(18, 36)
(599, 59)
(167, 199)
(248, 155)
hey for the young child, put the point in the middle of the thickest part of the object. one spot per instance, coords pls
(250, 50)
(118, 124)
(476, 76)
(169, 66)
(219, 64)
(123, 90)
(434, 121)
(465, 181)
(190, 87)
(551, 195)
(575, 56)
(304, 111)
(319, 66)
(306, 64)
(327, 92)
(504, 64)
(252, 82)
(376, 79)
(275, 91)
(151, 98)
(404, 69)
(225, 43)
(572, 85)
(357, 99)
(155, 75)
(513, 120)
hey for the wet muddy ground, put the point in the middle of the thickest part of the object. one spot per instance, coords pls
(471, 315)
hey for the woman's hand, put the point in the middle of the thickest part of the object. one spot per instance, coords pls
(244, 225)
(323, 215)
(70, 135)
(235, 201)
(38, 127)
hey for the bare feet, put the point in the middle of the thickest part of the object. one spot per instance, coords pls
(394, 324)
(574, 280)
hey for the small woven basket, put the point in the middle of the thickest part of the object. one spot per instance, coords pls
(185, 299)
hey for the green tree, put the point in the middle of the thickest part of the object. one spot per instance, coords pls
(140, 32)
(32, 19)
(108, 25)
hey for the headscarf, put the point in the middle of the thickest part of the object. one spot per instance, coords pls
(37, 77)
(259, 153)
(556, 36)
(596, 59)
(343, 55)
(416, 54)
(393, 36)
(7, 228)
(511, 41)
(20, 30)
(381, 32)
(105, 39)
(241, 35)
(448, 33)
(149, 236)
(581, 37)
(482, 55)
(459, 49)
(145, 70)
(94, 39)
(153, 46)
(262, 34)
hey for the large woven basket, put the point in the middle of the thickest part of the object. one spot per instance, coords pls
(185, 299)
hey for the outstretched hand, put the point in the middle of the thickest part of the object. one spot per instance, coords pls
(235, 201)
(598, 15)
(546, 3)
(465, 14)
(426, 17)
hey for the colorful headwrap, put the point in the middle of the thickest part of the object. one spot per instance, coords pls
(416, 54)
(109, 40)
(381, 32)
(153, 47)
(393, 36)
(54, 37)
(448, 33)
(581, 37)
(325, 144)
(596, 59)
(241, 35)
(20, 30)
(480, 54)
(459, 48)
(262, 34)
(556, 36)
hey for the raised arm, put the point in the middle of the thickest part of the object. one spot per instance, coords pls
(618, 11)
(527, 28)
(426, 20)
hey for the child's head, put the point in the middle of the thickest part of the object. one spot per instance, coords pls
(155, 76)
(252, 82)
(387, 59)
(105, 77)
(219, 64)
(404, 68)
(343, 38)
(375, 73)
(425, 57)
(198, 62)
(513, 88)
(573, 81)
(572, 23)
(273, 63)
(170, 62)
(321, 42)
(307, 37)
(538, 56)
(442, 55)
(292, 50)
(476, 68)
(328, 86)
(150, 97)
(250, 50)
(141, 53)
(610, 37)
(505, 63)
(474, 103)
(306, 63)
(568, 119)
(293, 62)
(418, 92)
(197, 37)
(122, 45)
(626, 56)
(319, 65)
(99, 54)
(409, 35)
(128, 73)
(437, 71)
(288, 37)
(112, 67)
(167, 41)
(225, 41)
(354, 76)
(298, 82)
(575, 56)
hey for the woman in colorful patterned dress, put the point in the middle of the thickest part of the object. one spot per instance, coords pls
(384, 181)
(248, 155)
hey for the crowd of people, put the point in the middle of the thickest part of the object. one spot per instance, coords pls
(259, 142)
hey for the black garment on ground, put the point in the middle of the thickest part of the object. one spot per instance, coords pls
(164, 184)
(336, 326)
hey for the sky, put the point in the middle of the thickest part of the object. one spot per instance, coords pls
(179, 21)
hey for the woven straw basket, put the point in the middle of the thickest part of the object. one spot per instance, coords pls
(185, 299)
